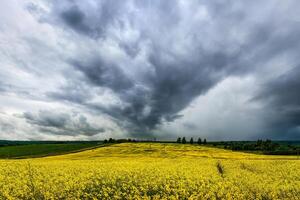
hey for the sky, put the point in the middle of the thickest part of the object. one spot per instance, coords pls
(94, 69)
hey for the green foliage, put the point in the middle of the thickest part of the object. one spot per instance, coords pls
(199, 141)
(263, 146)
(191, 141)
(39, 150)
(111, 140)
(183, 140)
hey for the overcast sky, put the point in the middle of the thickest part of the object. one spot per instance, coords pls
(93, 69)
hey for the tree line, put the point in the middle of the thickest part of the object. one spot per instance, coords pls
(265, 146)
(179, 140)
(183, 141)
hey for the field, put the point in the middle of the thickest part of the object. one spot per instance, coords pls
(40, 150)
(152, 171)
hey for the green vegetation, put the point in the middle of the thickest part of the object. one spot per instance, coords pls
(267, 147)
(22, 142)
(183, 141)
(199, 141)
(40, 149)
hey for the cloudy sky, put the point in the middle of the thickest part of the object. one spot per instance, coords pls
(93, 69)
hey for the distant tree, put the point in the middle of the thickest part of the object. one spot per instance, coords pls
(183, 140)
(111, 140)
(204, 141)
(105, 141)
(259, 143)
(178, 140)
(191, 141)
(129, 140)
(199, 141)
(120, 140)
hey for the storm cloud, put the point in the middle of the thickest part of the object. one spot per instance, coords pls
(62, 123)
(142, 65)
(282, 99)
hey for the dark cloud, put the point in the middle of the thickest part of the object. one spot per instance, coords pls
(186, 57)
(104, 74)
(282, 100)
(283, 92)
(160, 96)
(62, 123)
(86, 21)
(75, 19)
(75, 91)
(140, 63)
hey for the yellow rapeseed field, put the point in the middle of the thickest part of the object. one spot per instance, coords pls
(152, 171)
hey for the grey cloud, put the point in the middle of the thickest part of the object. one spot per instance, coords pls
(16, 90)
(155, 57)
(88, 19)
(6, 127)
(163, 94)
(104, 74)
(3, 87)
(74, 91)
(186, 58)
(190, 126)
(283, 91)
(62, 123)
(282, 100)
(74, 17)
(45, 118)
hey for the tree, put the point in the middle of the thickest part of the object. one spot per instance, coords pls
(178, 140)
(204, 141)
(183, 140)
(199, 141)
(110, 140)
(192, 141)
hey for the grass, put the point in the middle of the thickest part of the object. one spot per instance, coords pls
(41, 150)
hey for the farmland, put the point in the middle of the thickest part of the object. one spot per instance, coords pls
(39, 150)
(152, 171)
